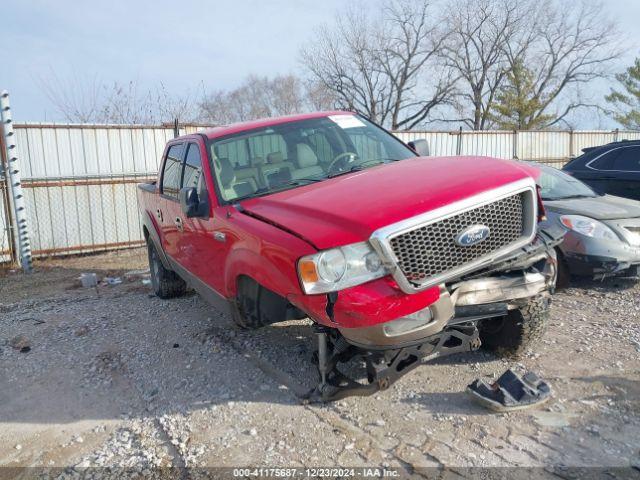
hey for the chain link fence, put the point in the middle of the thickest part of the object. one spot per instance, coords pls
(79, 181)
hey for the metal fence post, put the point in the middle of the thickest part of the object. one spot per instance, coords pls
(4, 199)
(12, 167)
(572, 144)
(459, 145)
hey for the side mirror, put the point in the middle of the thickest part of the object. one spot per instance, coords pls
(191, 205)
(420, 146)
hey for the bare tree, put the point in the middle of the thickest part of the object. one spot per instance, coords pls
(318, 97)
(561, 48)
(256, 97)
(342, 60)
(124, 103)
(91, 101)
(409, 46)
(376, 64)
(75, 99)
(481, 32)
(566, 52)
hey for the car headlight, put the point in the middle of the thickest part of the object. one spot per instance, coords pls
(588, 227)
(340, 268)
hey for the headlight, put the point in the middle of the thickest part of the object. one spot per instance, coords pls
(588, 226)
(340, 268)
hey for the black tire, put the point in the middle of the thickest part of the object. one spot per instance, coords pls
(166, 283)
(245, 309)
(563, 278)
(512, 335)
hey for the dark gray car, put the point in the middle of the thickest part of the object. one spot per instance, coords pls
(603, 231)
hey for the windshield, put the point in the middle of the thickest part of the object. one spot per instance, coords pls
(279, 157)
(556, 185)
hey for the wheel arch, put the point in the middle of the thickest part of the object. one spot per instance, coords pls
(151, 234)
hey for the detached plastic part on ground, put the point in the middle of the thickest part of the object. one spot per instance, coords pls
(510, 392)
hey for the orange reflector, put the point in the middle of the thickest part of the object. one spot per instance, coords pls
(308, 272)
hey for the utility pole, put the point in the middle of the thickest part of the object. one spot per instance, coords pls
(18, 217)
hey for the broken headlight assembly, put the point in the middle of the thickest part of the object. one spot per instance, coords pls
(340, 268)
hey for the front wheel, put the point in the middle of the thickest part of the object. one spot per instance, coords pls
(166, 283)
(513, 334)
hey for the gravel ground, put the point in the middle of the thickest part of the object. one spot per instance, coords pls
(113, 376)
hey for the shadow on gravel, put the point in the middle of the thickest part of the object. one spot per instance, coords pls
(447, 403)
(625, 388)
(607, 285)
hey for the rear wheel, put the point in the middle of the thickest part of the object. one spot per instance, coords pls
(166, 283)
(513, 334)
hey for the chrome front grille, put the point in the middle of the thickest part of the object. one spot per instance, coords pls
(430, 251)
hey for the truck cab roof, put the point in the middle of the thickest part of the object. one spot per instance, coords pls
(223, 130)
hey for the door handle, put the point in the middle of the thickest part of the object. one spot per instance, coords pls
(179, 225)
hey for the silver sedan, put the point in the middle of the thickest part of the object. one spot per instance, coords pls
(603, 231)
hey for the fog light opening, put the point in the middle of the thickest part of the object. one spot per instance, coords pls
(409, 323)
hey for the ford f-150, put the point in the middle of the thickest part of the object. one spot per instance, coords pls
(396, 258)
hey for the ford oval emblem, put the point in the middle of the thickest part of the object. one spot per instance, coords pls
(472, 235)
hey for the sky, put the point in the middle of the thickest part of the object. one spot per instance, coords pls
(184, 44)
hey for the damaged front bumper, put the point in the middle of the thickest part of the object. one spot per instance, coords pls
(392, 349)
(509, 283)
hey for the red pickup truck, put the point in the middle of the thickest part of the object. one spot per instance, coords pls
(396, 257)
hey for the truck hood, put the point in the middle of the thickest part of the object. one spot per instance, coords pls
(349, 208)
(605, 207)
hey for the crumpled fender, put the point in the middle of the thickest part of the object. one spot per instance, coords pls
(262, 269)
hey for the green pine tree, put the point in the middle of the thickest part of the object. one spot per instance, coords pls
(517, 106)
(627, 104)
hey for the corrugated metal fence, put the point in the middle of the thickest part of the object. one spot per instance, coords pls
(80, 180)
(551, 147)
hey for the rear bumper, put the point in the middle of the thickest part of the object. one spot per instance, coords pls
(463, 302)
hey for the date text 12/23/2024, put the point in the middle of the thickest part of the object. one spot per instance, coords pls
(333, 472)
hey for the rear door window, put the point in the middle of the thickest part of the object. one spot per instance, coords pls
(172, 171)
(624, 159)
(628, 160)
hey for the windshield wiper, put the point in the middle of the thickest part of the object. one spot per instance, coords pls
(357, 168)
(257, 193)
(306, 179)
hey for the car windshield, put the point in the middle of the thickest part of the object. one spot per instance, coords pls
(279, 157)
(557, 185)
